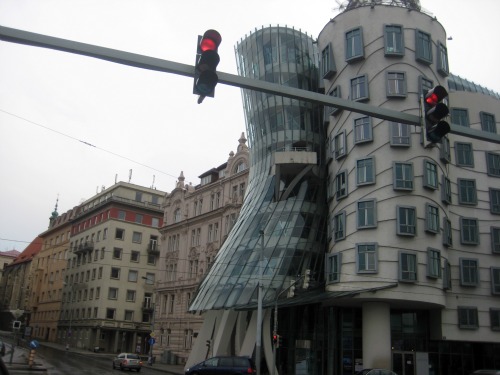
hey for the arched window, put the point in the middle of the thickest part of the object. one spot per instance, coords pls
(241, 166)
(177, 215)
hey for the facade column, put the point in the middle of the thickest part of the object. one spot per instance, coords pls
(377, 335)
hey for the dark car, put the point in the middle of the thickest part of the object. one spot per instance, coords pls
(129, 361)
(223, 365)
(375, 371)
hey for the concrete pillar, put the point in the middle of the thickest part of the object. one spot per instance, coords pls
(376, 335)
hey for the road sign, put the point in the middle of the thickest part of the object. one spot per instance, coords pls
(152, 341)
(34, 344)
(16, 324)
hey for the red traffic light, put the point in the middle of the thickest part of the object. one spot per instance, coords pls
(435, 95)
(210, 41)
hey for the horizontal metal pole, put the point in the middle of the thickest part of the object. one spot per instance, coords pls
(145, 62)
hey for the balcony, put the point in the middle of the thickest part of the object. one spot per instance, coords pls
(84, 247)
(153, 248)
(148, 307)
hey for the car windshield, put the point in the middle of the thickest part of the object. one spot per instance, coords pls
(132, 356)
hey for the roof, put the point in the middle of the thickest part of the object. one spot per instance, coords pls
(10, 253)
(31, 250)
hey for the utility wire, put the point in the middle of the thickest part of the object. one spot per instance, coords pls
(87, 143)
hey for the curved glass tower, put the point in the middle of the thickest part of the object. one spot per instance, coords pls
(280, 231)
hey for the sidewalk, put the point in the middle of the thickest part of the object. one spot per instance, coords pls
(20, 361)
(161, 367)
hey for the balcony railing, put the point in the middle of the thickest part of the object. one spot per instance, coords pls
(147, 307)
(153, 248)
(84, 247)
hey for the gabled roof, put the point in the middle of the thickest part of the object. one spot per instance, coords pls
(31, 250)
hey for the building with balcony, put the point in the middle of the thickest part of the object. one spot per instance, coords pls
(47, 275)
(107, 294)
(197, 221)
(407, 273)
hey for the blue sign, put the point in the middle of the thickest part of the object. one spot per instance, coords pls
(34, 344)
(152, 341)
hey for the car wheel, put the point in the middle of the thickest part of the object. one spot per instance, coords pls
(114, 366)
(121, 367)
(138, 370)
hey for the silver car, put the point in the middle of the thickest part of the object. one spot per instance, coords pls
(128, 361)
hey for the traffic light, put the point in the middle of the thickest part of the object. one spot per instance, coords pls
(276, 340)
(291, 289)
(207, 59)
(434, 112)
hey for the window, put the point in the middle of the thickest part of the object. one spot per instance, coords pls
(134, 256)
(139, 218)
(430, 175)
(366, 214)
(403, 176)
(120, 234)
(495, 201)
(99, 273)
(447, 234)
(150, 278)
(464, 154)
(442, 59)
(469, 231)
(400, 134)
(333, 265)
(363, 130)
(467, 191)
(406, 220)
(129, 315)
(495, 280)
(340, 145)
(423, 44)
(339, 226)
(495, 240)
(113, 293)
(424, 84)
(469, 275)
(121, 215)
(332, 111)
(366, 258)
(155, 222)
(359, 88)
(115, 273)
(177, 215)
(460, 116)
(354, 45)
(431, 218)
(328, 69)
(445, 190)
(467, 317)
(341, 185)
(137, 237)
(110, 313)
(396, 84)
(495, 319)
(130, 297)
(488, 122)
(433, 263)
(493, 164)
(407, 266)
(365, 171)
(445, 150)
(394, 40)
(117, 253)
(447, 276)
(132, 276)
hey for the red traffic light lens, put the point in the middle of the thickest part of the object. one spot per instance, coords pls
(210, 41)
(435, 95)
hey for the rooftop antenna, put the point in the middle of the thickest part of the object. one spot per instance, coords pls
(153, 184)
(129, 175)
(116, 177)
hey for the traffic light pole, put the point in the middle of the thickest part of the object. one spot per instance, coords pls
(151, 63)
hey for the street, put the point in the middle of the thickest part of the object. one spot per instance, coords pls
(59, 362)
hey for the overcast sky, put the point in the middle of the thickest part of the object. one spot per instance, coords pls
(52, 102)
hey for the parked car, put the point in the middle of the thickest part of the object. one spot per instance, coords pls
(375, 371)
(223, 365)
(128, 361)
(486, 372)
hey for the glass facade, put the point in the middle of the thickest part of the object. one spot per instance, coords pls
(280, 232)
